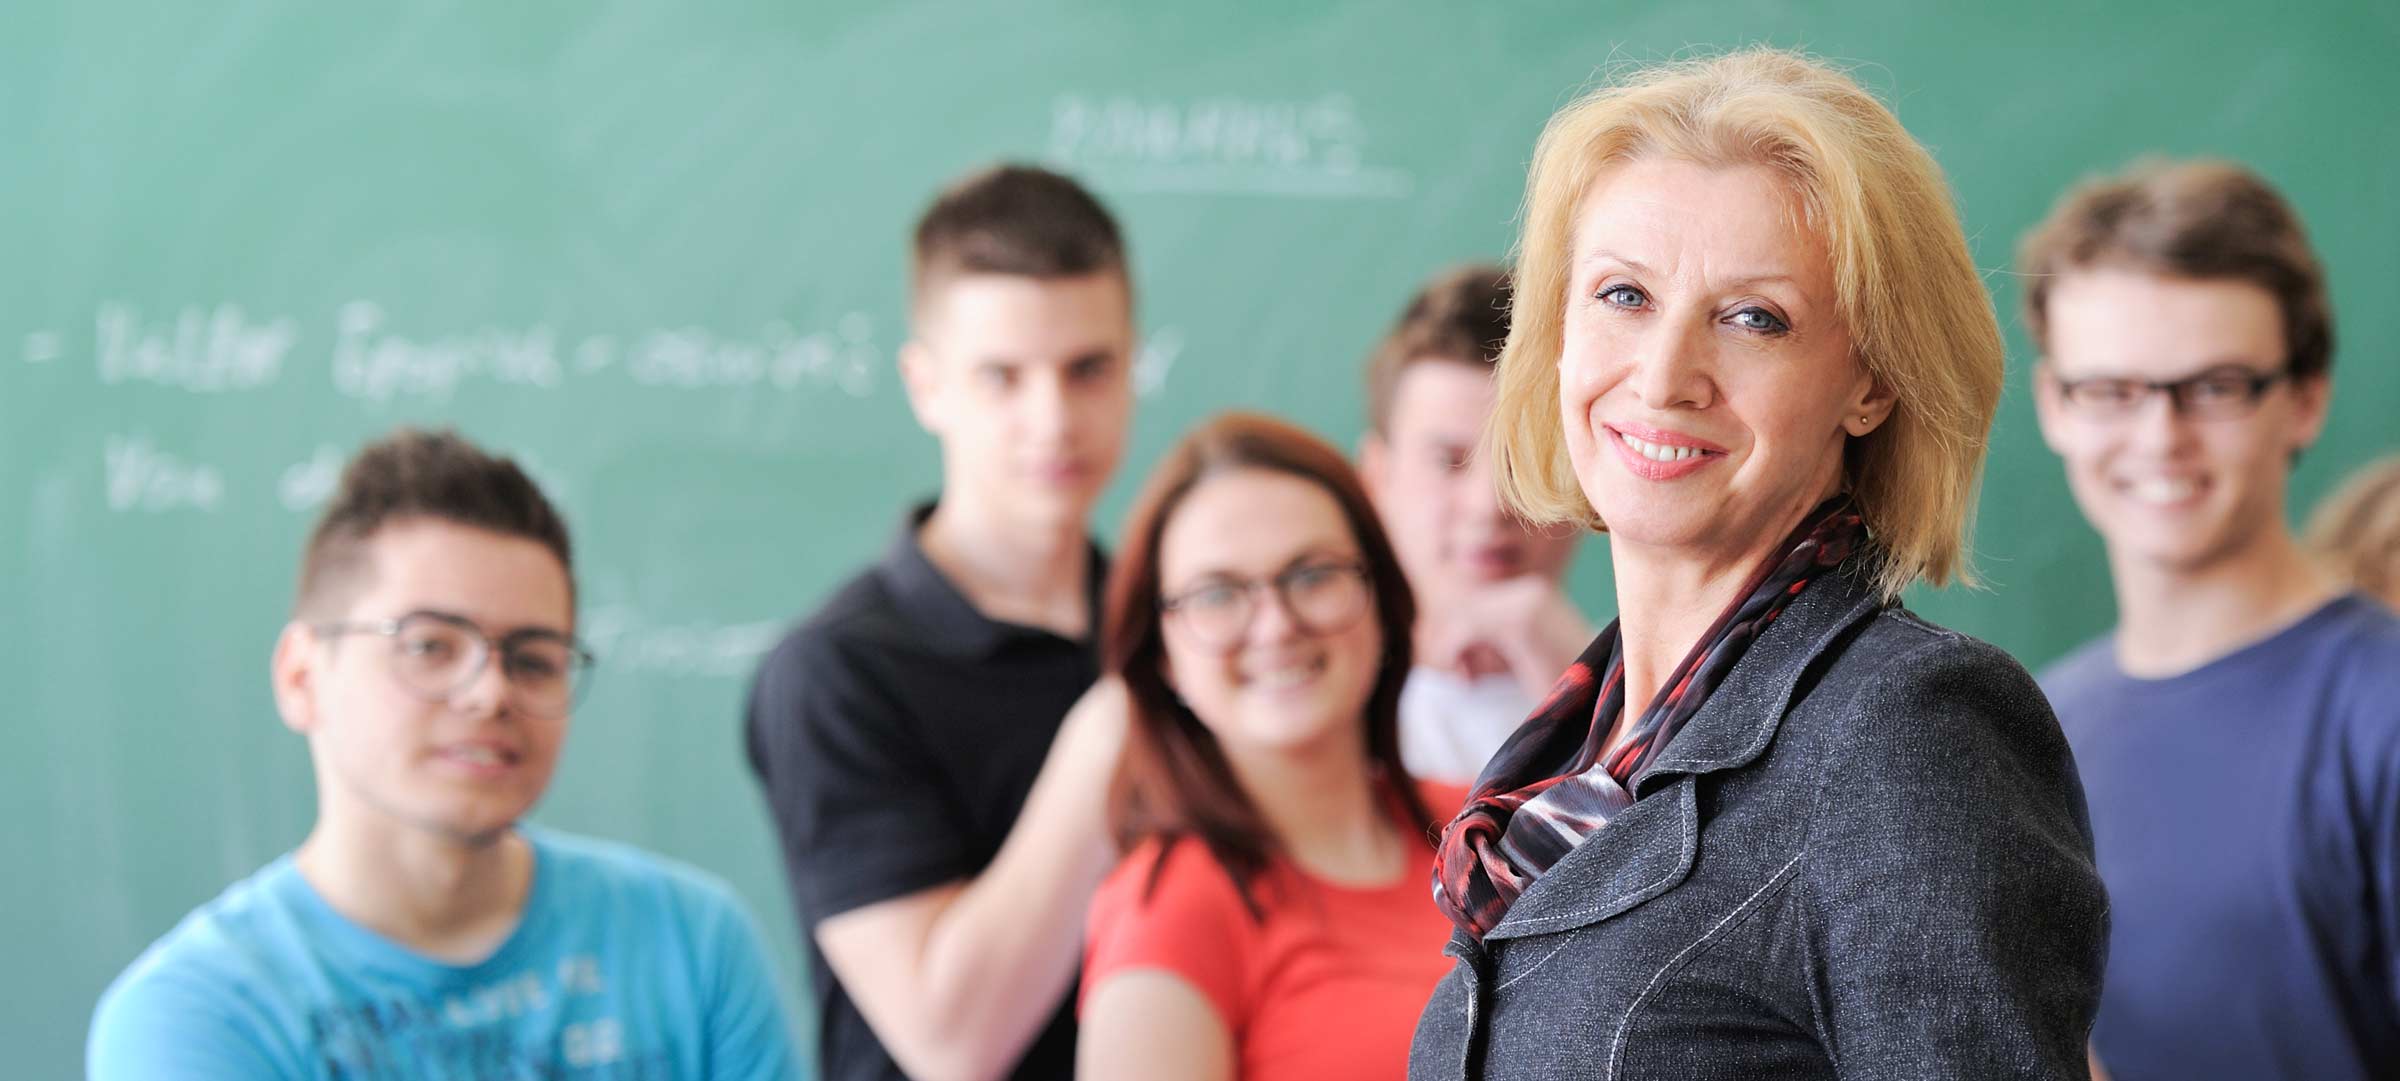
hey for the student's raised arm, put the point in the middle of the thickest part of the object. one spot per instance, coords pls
(957, 977)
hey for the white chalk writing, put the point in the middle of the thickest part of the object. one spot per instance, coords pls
(1154, 359)
(206, 351)
(1222, 145)
(141, 477)
(374, 365)
(623, 639)
(375, 357)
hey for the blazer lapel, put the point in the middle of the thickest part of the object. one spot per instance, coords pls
(1740, 717)
(1641, 853)
(1648, 848)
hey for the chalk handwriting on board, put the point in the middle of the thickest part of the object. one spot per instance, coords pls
(42, 347)
(141, 477)
(1222, 145)
(305, 485)
(623, 639)
(1155, 357)
(374, 359)
(374, 365)
(693, 358)
(206, 351)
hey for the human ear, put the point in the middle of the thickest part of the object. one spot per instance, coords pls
(2311, 395)
(1869, 406)
(921, 377)
(293, 672)
(1374, 465)
(2046, 412)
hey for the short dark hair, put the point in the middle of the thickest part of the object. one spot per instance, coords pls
(2187, 219)
(1176, 783)
(417, 474)
(1461, 316)
(1013, 219)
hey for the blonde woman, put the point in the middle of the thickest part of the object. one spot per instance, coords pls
(1770, 824)
(2356, 531)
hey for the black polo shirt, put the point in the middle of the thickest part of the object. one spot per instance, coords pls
(897, 732)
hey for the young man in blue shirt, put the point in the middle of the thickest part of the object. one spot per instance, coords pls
(422, 929)
(2239, 732)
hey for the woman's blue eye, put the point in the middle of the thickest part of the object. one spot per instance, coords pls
(1623, 296)
(1760, 319)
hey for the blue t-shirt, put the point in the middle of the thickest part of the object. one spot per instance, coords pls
(622, 966)
(2246, 816)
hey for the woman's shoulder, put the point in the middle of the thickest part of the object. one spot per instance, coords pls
(1900, 652)
(1169, 906)
(1169, 886)
(1907, 692)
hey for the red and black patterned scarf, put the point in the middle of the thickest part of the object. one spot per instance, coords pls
(1550, 786)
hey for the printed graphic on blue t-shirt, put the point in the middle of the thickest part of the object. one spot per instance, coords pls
(623, 966)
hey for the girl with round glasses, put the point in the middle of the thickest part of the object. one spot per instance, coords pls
(1270, 917)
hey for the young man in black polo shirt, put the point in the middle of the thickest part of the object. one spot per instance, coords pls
(942, 826)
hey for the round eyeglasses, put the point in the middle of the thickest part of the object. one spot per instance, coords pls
(436, 655)
(1322, 596)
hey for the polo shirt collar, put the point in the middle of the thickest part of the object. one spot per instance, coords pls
(942, 614)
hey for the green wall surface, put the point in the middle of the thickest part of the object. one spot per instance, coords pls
(656, 250)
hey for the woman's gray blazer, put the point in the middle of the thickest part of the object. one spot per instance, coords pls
(1866, 857)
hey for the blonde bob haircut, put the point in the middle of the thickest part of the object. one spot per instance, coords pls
(1918, 316)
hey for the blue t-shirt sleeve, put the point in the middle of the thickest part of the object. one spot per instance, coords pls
(159, 1022)
(2380, 834)
(749, 1036)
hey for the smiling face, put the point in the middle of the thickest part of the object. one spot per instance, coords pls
(1274, 682)
(1436, 497)
(1028, 384)
(1707, 384)
(2164, 488)
(386, 755)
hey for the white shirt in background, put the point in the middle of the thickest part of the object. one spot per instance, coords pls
(1450, 725)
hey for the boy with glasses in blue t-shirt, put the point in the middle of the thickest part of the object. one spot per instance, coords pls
(2239, 732)
(421, 929)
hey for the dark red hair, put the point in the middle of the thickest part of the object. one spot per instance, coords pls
(1176, 783)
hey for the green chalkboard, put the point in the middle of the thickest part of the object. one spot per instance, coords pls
(656, 250)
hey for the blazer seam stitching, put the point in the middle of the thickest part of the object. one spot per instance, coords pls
(1683, 862)
(1563, 942)
(1616, 1051)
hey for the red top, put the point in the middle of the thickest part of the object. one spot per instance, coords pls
(1328, 986)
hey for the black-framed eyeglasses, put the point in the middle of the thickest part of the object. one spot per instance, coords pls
(1322, 596)
(436, 655)
(2220, 393)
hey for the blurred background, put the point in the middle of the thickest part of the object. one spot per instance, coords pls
(657, 250)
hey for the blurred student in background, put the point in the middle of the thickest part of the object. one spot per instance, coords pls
(941, 809)
(1494, 629)
(2238, 732)
(2355, 533)
(423, 929)
(1270, 918)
